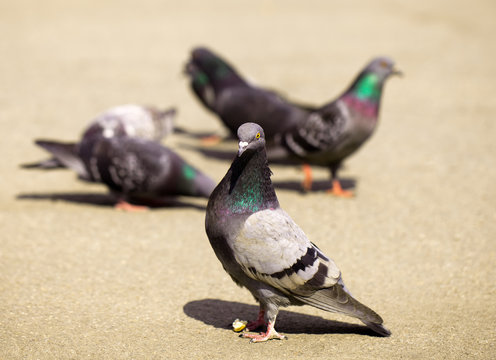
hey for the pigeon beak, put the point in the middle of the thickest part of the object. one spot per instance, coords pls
(242, 147)
(397, 72)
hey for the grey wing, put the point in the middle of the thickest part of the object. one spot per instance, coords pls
(271, 248)
(321, 131)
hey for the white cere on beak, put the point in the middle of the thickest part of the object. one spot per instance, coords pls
(242, 147)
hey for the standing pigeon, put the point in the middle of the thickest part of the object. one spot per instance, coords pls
(137, 169)
(333, 132)
(146, 122)
(263, 249)
(223, 91)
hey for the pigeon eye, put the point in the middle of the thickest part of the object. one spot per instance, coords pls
(258, 135)
(384, 64)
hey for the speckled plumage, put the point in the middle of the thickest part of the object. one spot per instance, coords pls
(264, 250)
(145, 122)
(140, 169)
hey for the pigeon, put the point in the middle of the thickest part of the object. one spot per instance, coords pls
(295, 133)
(141, 170)
(334, 131)
(223, 91)
(264, 250)
(146, 122)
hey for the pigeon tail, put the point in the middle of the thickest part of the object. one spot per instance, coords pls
(378, 329)
(47, 164)
(66, 154)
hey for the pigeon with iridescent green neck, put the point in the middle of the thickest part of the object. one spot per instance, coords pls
(264, 250)
(222, 90)
(336, 130)
(145, 122)
(144, 171)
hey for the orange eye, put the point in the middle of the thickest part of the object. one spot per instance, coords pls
(258, 135)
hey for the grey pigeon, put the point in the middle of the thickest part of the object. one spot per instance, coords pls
(137, 169)
(146, 122)
(222, 90)
(264, 250)
(333, 132)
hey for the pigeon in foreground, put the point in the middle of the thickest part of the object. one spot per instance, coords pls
(141, 170)
(223, 91)
(333, 132)
(264, 250)
(146, 122)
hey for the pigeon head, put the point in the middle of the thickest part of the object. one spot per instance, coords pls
(208, 68)
(368, 85)
(383, 67)
(251, 138)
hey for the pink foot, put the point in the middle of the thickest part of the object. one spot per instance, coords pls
(271, 333)
(253, 325)
(124, 205)
(211, 140)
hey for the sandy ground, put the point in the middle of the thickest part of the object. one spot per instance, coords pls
(79, 279)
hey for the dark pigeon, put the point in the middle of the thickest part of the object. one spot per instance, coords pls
(336, 130)
(264, 250)
(222, 90)
(144, 171)
(146, 122)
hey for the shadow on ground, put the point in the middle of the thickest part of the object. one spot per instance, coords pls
(220, 314)
(105, 200)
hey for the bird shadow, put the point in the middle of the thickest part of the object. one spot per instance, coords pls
(317, 185)
(220, 314)
(105, 200)
(292, 185)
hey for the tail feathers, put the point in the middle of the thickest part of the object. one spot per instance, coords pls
(337, 299)
(47, 164)
(378, 328)
(66, 154)
(165, 120)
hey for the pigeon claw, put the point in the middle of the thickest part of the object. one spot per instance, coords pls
(211, 140)
(271, 333)
(338, 191)
(124, 205)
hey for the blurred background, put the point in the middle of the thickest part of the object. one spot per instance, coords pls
(79, 279)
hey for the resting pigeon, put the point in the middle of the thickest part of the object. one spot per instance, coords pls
(132, 120)
(333, 132)
(264, 250)
(223, 91)
(142, 170)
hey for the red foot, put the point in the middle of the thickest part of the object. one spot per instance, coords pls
(211, 140)
(337, 190)
(124, 205)
(308, 178)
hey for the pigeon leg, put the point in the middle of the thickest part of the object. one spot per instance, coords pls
(271, 333)
(124, 205)
(337, 190)
(253, 325)
(211, 140)
(308, 179)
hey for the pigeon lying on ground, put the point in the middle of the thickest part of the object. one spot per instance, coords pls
(223, 91)
(333, 132)
(141, 170)
(132, 120)
(263, 249)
